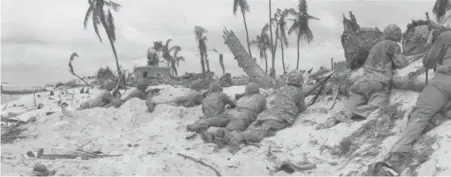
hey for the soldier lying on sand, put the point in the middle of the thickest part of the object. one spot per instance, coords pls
(215, 102)
(288, 103)
(433, 102)
(373, 89)
(237, 119)
(139, 92)
(104, 98)
(192, 98)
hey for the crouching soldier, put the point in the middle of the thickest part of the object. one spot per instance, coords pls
(215, 102)
(373, 90)
(433, 102)
(288, 103)
(103, 99)
(237, 119)
(192, 98)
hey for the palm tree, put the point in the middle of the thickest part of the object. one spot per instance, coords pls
(301, 26)
(244, 7)
(166, 50)
(273, 43)
(97, 13)
(175, 62)
(201, 39)
(71, 68)
(282, 23)
(262, 42)
(440, 9)
(153, 57)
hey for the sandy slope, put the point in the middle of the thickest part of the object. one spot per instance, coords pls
(159, 136)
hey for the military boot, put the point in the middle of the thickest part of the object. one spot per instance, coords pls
(391, 166)
(342, 116)
(207, 137)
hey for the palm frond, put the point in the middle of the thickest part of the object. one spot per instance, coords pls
(215, 50)
(294, 26)
(235, 6)
(88, 14)
(95, 19)
(167, 43)
(312, 17)
(111, 26)
(244, 6)
(115, 6)
(71, 58)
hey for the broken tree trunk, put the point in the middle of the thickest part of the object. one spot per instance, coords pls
(252, 69)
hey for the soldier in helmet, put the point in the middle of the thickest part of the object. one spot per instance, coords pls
(373, 89)
(434, 103)
(103, 99)
(288, 103)
(193, 98)
(215, 102)
(139, 92)
(237, 119)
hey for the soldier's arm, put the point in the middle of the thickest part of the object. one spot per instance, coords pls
(228, 100)
(301, 103)
(264, 102)
(432, 56)
(398, 58)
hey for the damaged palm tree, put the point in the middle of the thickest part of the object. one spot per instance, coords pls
(71, 68)
(357, 42)
(250, 66)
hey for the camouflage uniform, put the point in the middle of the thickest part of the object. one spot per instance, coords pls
(239, 118)
(288, 103)
(373, 89)
(102, 99)
(433, 102)
(214, 104)
(192, 98)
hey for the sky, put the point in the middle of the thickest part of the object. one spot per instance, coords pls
(38, 36)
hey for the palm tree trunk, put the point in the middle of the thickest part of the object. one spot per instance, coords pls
(247, 34)
(207, 62)
(266, 62)
(272, 73)
(248, 64)
(298, 42)
(202, 63)
(283, 60)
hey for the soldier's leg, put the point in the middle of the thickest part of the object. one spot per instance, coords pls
(355, 100)
(203, 124)
(431, 100)
(256, 133)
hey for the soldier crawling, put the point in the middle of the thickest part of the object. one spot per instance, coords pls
(215, 102)
(433, 102)
(192, 98)
(139, 92)
(373, 89)
(237, 119)
(288, 103)
(103, 99)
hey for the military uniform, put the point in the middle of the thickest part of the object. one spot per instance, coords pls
(288, 103)
(239, 118)
(139, 92)
(102, 99)
(373, 89)
(215, 102)
(192, 98)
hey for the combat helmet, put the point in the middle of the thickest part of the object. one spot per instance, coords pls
(196, 85)
(109, 85)
(252, 88)
(295, 78)
(393, 32)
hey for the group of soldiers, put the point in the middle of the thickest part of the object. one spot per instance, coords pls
(247, 119)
